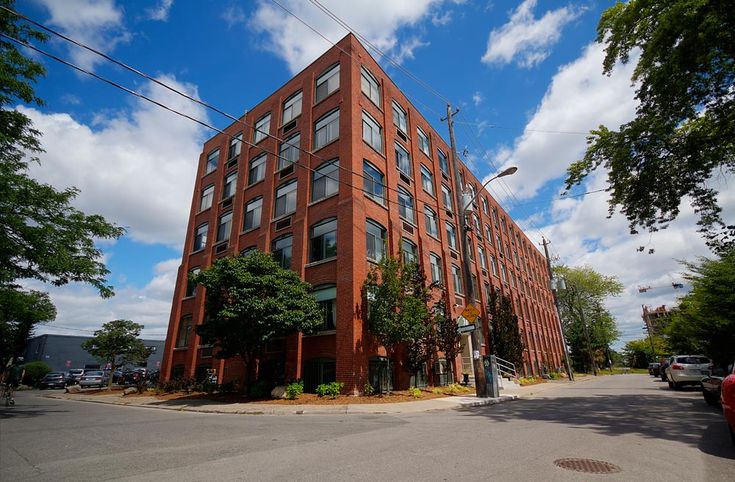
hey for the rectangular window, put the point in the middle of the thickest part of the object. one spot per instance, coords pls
(432, 223)
(200, 237)
(503, 273)
(281, 251)
(285, 199)
(253, 212)
(476, 222)
(494, 265)
(451, 236)
(182, 340)
(262, 128)
(257, 169)
(370, 86)
(324, 240)
(485, 207)
(191, 288)
(403, 160)
(435, 263)
(457, 279)
(447, 198)
(327, 299)
(405, 205)
(206, 199)
(489, 235)
(400, 118)
(427, 180)
(228, 190)
(443, 162)
(409, 251)
(325, 180)
(372, 133)
(212, 160)
(373, 182)
(481, 255)
(235, 146)
(423, 142)
(375, 240)
(326, 129)
(292, 108)
(289, 152)
(327, 83)
(224, 227)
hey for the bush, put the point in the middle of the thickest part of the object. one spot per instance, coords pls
(259, 389)
(294, 390)
(368, 390)
(415, 392)
(35, 371)
(331, 390)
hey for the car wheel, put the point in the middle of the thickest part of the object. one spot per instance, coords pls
(709, 398)
(671, 384)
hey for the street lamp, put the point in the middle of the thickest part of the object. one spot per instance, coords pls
(505, 172)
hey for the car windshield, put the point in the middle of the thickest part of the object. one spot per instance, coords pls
(692, 360)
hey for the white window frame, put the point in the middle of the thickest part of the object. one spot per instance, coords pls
(207, 197)
(373, 86)
(326, 127)
(372, 132)
(427, 180)
(212, 161)
(328, 174)
(285, 193)
(292, 107)
(407, 206)
(435, 266)
(230, 185)
(432, 222)
(423, 141)
(257, 163)
(262, 128)
(289, 152)
(451, 235)
(447, 198)
(235, 146)
(403, 160)
(254, 206)
(368, 178)
(400, 117)
(331, 78)
(200, 237)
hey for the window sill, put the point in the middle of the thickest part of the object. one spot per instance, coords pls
(321, 261)
(412, 223)
(323, 199)
(190, 297)
(282, 216)
(199, 250)
(181, 348)
(317, 149)
(204, 210)
(325, 98)
(255, 183)
(434, 237)
(379, 201)
(289, 121)
(250, 230)
(372, 148)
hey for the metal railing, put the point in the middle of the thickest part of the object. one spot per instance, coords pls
(506, 368)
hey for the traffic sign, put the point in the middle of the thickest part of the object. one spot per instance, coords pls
(470, 313)
(466, 329)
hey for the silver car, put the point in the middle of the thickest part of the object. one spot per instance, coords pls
(687, 370)
(93, 378)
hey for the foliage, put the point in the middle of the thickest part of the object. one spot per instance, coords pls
(525, 381)
(118, 344)
(638, 353)
(251, 300)
(705, 320)
(507, 342)
(447, 338)
(294, 390)
(34, 372)
(260, 389)
(452, 389)
(415, 392)
(684, 127)
(331, 390)
(368, 390)
(20, 312)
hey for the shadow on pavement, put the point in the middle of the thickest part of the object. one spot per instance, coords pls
(26, 410)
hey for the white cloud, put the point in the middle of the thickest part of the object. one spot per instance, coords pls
(161, 11)
(377, 20)
(96, 23)
(477, 98)
(441, 19)
(526, 38)
(135, 169)
(234, 15)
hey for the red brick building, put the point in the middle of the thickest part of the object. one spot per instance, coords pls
(394, 196)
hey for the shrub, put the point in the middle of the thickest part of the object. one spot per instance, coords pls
(415, 392)
(455, 388)
(368, 390)
(294, 390)
(259, 389)
(35, 371)
(331, 390)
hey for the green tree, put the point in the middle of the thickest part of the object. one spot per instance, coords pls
(589, 327)
(506, 340)
(251, 300)
(638, 353)
(684, 128)
(118, 344)
(20, 312)
(34, 372)
(448, 339)
(705, 320)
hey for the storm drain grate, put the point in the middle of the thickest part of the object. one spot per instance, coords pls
(588, 466)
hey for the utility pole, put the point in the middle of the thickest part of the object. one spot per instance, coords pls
(476, 335)
(544, 242)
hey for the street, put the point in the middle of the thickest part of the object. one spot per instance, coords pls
(632, 421)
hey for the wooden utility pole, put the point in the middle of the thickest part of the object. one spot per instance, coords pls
(544, 242)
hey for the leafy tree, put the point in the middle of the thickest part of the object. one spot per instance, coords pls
(251, 300)
(705, 320)
(684, 129)
(117, 343)
(20, 312)
(505, 335)
(638, 353)
(34, 372)
(447, 338)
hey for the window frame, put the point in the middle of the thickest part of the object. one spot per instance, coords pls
(431, 220)
(328, 181)
(206, 195)
(412, 256)
(372, 83)
(451, 230)
(212, 161)
(402, 204)
(332, 289)
(261, 160)
(383, 238)
(426, 174)
(229, 186)
(323, 254)
(279, 250)
(443, 162)
(447, 198)
(457, 280)
(373, 126)
(247, 210)
(371, 194)
(289, 103)
(329, 119)
(400, 114)
(277, 198)
(399, 149)
(185, 327)
(325, 78)
(227, 228)
(423, 140)
(438, 265)
(286, 149)
(258, 132)
(200, 238)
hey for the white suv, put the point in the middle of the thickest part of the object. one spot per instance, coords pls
(687, 370)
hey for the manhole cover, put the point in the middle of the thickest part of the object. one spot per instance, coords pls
(588, 466)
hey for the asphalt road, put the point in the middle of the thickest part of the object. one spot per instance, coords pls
(650, 432)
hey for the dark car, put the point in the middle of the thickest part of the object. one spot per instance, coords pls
(654, 369)
(53, 380)
(73, 376)
(664, 365)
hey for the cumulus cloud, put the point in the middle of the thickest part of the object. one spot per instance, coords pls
(477, 98)
(525, 38)
(160, 12)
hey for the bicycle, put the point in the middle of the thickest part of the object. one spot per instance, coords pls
(7, 395)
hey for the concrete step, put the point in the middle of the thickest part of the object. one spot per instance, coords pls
(507, 384)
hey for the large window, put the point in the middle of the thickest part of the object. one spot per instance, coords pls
(372, 133)
(435, 264)
(292, 108)
(326, 129)
(262, 128)
(403, 160)
(326, 297)
(191, 287)
(432, 223)
(212, 160)
(375, 241)
(405, 205)
(409, 252)
(483, 258)
(206, 199)
(423, 141)
(253, 212)
(447, 198)
(257, 169)
(325, 180)
(427, 180)
(400, 118)
(224, 227)
(200, 237)
(373, 182)
(281, 251)
(503, 273)
(235, 146)
(228, 189)
(285, 199)
(182, 338)
(489, 234)
(324, 240)
(370, 86)
(457, 279)
(485, 207)
(327, 83)
(451, 235)
(443, 162)
(289, 152)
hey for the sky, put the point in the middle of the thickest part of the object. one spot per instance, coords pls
(526, 77)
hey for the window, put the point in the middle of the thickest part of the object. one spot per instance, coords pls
(288, 153)
(489, 234)
(447, 198)
(292, 108)
(285, 199)
(253, 212)
(281, 251)
(229, 188)
(224, 227)
(370, 86)
(435, 264)
(503, 225)
(257, 169)
(432, 224)
(326, 129)
(212, 160)
(324, 240)
(206, 199)
(182, 340)
(457, 279)
(372, 133)
(375, 240)
(235, 146)
(494, 265)
(326, 297)
(423, 141)
(503, 273)
(262, 128)
(495, 216)
(191, 287)
(470, 250)
(451, 236)
(443, 162)
(249, 250)
(400, 118)
(485, 207)
(327, 83)
(405, 205)
(325, 180)
(476, 222)
(200, 237)
(481, 255)
(427, 180)
(403, 160)
(500, 244)
(373, 182)
(408, 251)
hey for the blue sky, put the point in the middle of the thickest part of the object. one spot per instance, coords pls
(527, 78)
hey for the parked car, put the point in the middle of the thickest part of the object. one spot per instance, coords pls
(711, 386)
(687, 370)
(654, 369)
(93, 378)
(727, 397)
(664, 365)
(73, 376)
(53, 380)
